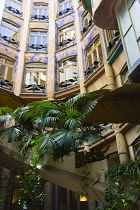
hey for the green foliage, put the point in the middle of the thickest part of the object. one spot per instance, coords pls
(47, 126)
(122, 186)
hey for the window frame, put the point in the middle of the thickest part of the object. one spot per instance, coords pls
(9, 6)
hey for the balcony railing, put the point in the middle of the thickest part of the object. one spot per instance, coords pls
(40, 17)
(87, 27)
(13, 10)
(6, 84)
(9, 40)
(34, 88)
(64, 12)
(38, 47)
(92, 68)
(67, 83)
(66, 43)
(113, 41)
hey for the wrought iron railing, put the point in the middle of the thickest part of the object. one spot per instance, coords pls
(92, 68)
(66, 42)
(113, 38)
(34, 88)
(67, 83)
(61, 13)
(13, 10)
(9, 40)
(6, 84)
(87, 27)
(38, 47)
(40, 17)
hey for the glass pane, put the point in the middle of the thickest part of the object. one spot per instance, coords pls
(9, 74)
(32, 40)
(44, 40)
(38, 40)
(124, 17)
(67, 73)
(45, 12)
(2, 71)
(40, 12)
(135, 15)
(34, 32)
(129, 2)
(2, 30)
(43, 32)
(35, 11)
(133, 52)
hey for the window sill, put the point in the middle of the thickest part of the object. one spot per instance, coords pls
(8, 45)
(39, 21)
(35, 51)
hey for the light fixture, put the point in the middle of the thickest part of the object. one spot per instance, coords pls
(83, 198)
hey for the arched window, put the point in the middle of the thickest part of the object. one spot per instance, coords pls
(35, 77)
(67, 72)
(9, 32)
(14, 6)
(40, 12)
(38, 40)
(6, 72)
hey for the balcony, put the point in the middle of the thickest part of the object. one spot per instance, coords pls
(67, 83)
(113, 41)
(87, 27)
(40, 17)
(38, 47)
(66, 43)
(9, 40)
(64, 12)
(34, 88)
(13, 10)
(6, 84)
(92, 68)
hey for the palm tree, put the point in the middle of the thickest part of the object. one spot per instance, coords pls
(49, 126)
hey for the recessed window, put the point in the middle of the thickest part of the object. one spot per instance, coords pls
(65, 6)
(40, 12)
(93, 56)
(67, 73)
(87, 21)
(112, 37)
(124, 74)
(38, 40)
(35, 78)
(6, 72)
(66, 36)
(14, 6)
(9, 32)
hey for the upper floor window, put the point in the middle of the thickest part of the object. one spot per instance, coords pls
(9, 32)
(87, 21)
(65, 6)
(35, 78)
(66, 36)
(124, 74)
(112, 37)
(93, 56)
(14, 6)
(67, 73)
(6, 72)
(40, 12)
(38, 40)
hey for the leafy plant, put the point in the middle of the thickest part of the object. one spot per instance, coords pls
(49, 126)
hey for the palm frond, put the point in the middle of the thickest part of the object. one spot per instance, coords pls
(12, 133)
(5, 110)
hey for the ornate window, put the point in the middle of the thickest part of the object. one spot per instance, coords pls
(67, 73)
(87, 21)
(66, 36)
(9, 32)
(6, 72)
(93, 56)
(14, 6)
(35, 78)
(38, 40)
(65, 6)
(40, 12)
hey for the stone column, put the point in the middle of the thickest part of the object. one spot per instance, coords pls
(4, 188)
(80, 57)
(51, 52)
(22, 47)
(48, 196)
(56, 197)
(109, 76)
(121, 144)
(2, 5)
